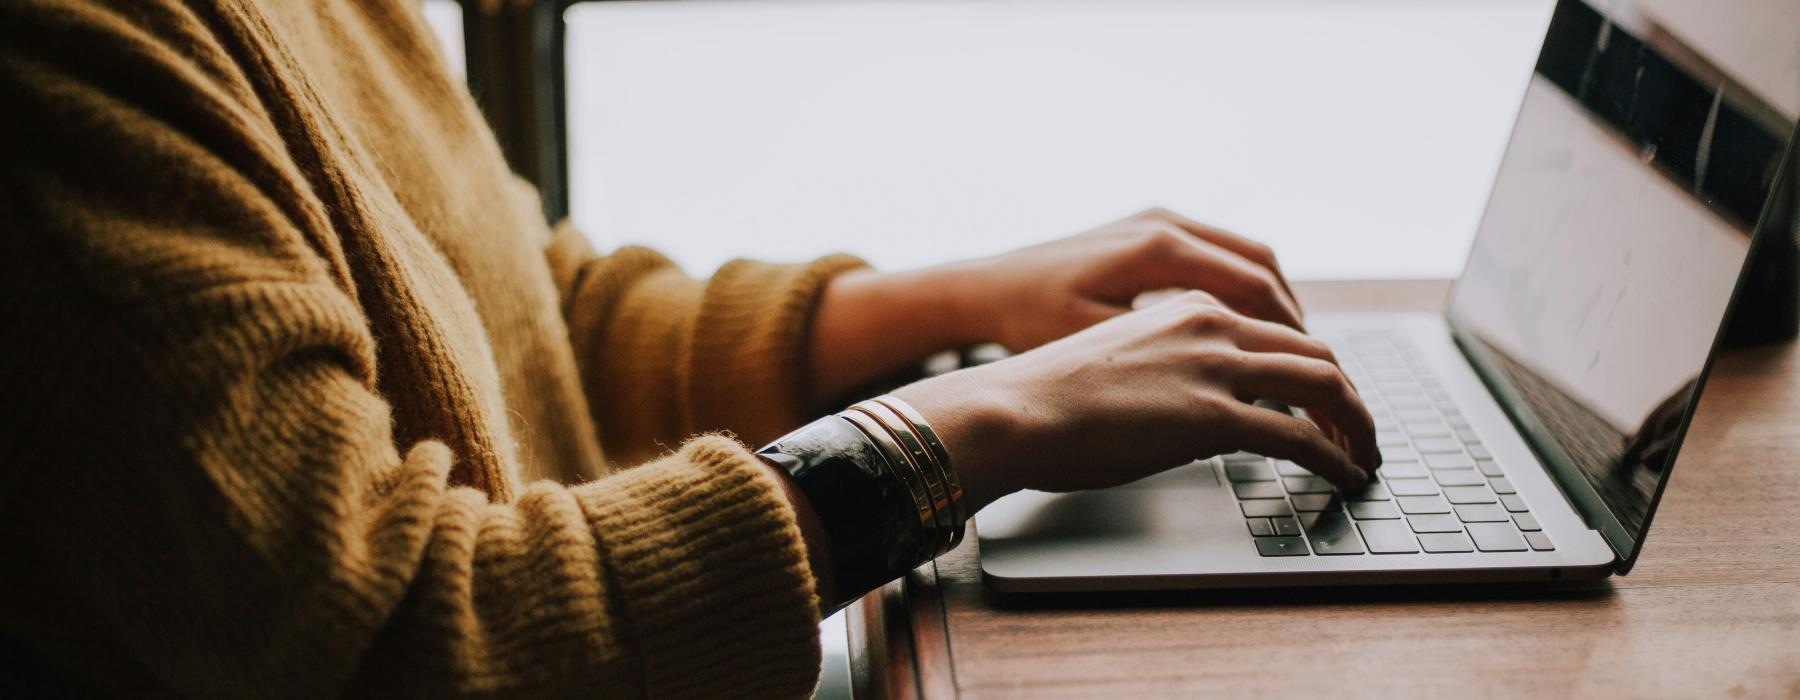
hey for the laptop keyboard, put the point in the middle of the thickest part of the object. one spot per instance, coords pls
(1438, 490)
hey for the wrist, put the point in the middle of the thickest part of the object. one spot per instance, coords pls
(962, 308)
(974, 418)
(870, 325)
(812, 533)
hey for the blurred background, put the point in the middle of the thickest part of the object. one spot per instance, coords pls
(1356, 137)
(917, 131)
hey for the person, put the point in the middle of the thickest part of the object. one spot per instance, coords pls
(304, 397)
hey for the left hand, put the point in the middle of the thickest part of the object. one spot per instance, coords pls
(869, 324)
(1029, 297)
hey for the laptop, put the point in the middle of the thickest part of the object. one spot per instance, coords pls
(1528, 432)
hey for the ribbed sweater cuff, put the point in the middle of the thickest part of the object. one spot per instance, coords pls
(749, 366)
(709, 573)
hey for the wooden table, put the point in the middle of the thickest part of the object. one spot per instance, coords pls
(1712, 609)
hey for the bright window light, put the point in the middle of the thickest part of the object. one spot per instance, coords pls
(1358, 138)
(445, 18)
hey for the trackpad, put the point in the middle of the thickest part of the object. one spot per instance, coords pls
(1178, 503)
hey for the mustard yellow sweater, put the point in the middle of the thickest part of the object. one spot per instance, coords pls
(302, 397)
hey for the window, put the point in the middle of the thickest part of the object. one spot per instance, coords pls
(917, 131)
(445, 19)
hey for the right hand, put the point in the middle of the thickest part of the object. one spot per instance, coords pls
(1147, 391)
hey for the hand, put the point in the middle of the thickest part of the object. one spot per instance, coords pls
(1032, 296)
(869, 325)
(1143, 392)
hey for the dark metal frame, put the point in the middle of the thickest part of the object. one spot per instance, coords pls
(516, 73)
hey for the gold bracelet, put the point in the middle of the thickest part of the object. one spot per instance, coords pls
(897, 464)
(940, 454)
(915, 455)
(903, 431)
(947, 521)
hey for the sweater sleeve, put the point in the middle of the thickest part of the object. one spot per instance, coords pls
(664, 355)
(200, 486)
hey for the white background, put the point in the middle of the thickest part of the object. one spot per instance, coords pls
(1359, 138)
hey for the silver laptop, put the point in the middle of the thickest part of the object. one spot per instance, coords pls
(1528, 432)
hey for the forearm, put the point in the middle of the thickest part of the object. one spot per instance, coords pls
(812, 532)
(870, 325)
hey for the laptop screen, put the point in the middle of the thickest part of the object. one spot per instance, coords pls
(1646, 153)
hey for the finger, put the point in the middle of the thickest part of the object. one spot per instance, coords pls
(1254, 335)
(1247, 288)
(1263, 337)
(1279, 435)
(1257, 286)
(1250, 250)
(1321, 389)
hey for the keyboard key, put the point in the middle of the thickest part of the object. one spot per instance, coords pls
(1402, 470)
(1488, 467)
(1496, 537)
(1265, 508)
(1307, 484)
(1459, 477)
(1423, 504)
(1434, 523)
(1286, 527)
(1332, 533)
(1413, 402)
(1258, 489)
(1308, 502)
(1479, 451)
(1467, 436)
(1432, 431)
(1513, 503)
(1249, 471)
(1456, 420)
(1391, 438)
(1461, 495)
(1373, 510)
(1260, 527)
(1438, 446)
(1483, 513)
(1281, 546)
(1440, 542)
(1412, 487)
(1382, 361)
(1502, 485)
(1526, 521)
(1449, 460)
(1286, 468)
(1417, 415)
(1389, 537)
(1237, 457)
(1398, 454)
(1374, 491)
(1539, 541)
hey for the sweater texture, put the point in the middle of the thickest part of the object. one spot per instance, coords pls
(302, 397)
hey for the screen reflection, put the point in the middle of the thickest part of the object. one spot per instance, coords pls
(1649, 141)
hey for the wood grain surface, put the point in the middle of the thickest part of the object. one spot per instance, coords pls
(1712, 609)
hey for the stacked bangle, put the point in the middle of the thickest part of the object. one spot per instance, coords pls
(883, 486)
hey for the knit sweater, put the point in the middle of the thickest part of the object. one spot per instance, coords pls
(301, 396)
